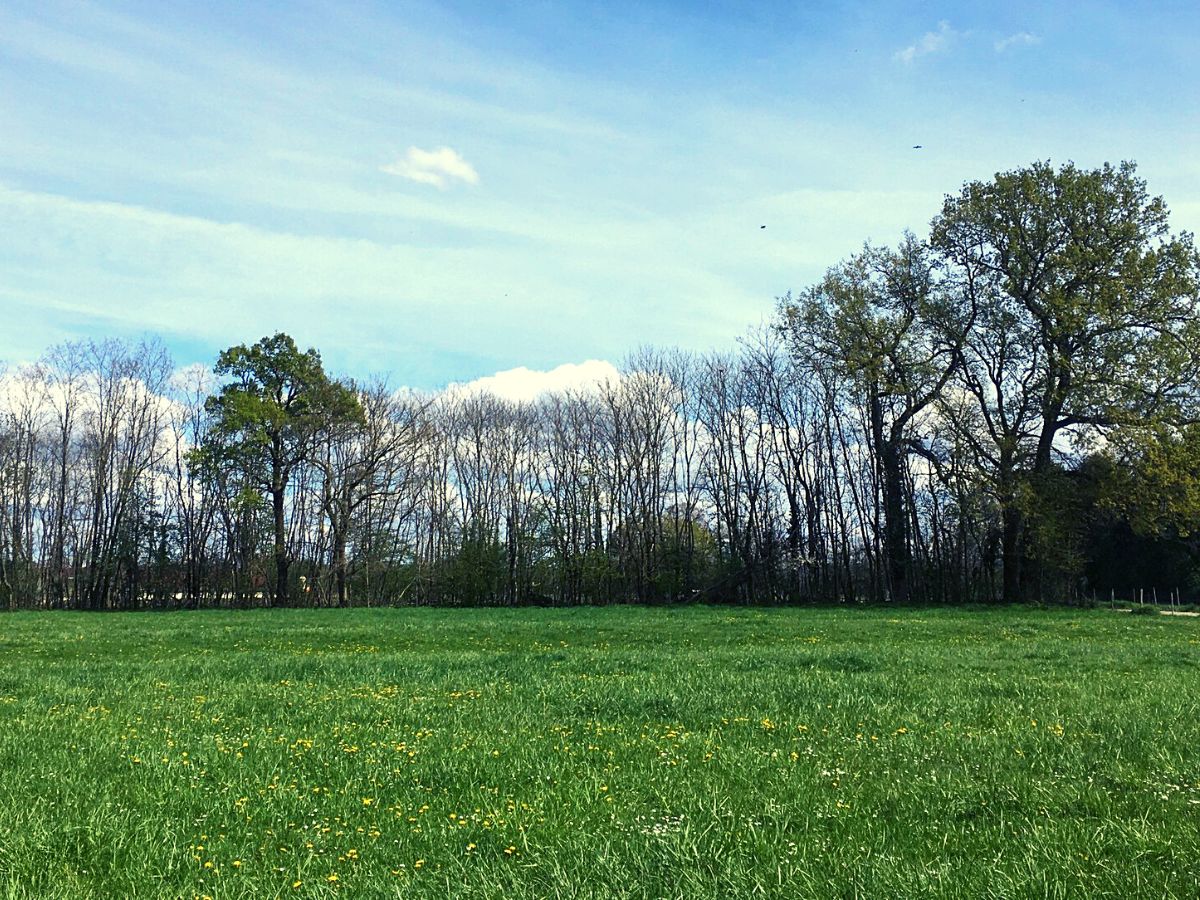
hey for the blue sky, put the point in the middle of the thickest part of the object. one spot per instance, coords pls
(442, 191)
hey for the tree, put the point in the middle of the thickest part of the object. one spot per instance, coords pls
(62, 371)
(881, 324)
(194, 508)
(121, 445)
(369, 459)
(267, 419)
(1087, 319)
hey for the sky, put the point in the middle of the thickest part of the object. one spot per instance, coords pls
(444, 191)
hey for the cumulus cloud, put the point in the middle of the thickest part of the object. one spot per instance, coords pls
(930, 42)
(438, 167)
(1020, 39)
(523, 385)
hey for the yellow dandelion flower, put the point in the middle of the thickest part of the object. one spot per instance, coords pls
(333, 876)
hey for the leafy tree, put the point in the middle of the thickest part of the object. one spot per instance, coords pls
(1086, 319)
(882, 326)
(267, 419)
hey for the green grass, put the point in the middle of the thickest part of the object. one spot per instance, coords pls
(698, 752)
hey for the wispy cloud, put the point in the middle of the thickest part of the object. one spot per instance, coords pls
(350, 295)
(930, 42)
(1020, 39)
(438, 167)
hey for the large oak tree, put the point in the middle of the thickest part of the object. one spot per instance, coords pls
(1086, 320)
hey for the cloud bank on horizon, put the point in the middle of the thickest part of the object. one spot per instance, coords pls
(524, 385)
(574, 181)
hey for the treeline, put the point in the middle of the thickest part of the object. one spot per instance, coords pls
(1001, 410)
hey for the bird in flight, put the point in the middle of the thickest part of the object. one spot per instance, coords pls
(918, 146)
(762, 226)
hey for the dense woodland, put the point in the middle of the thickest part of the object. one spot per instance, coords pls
(1002, 409)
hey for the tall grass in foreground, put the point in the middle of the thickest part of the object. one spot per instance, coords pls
(698, 752)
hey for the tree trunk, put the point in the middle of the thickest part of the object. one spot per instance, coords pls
(895, 536)
(891, 474)
(1011, 554)
(339, 565)
(278, 486)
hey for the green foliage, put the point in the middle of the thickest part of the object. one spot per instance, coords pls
(619, 753)
(275, 403)
(266, 421)
(1157, 483)
(1056, 505)
(1082, 265)
(882, 321)
(474, 576)
(687, 558)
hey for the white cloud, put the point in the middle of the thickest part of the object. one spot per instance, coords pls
(1020, 39)
(930, 42)
(437, 167)
(523, 385)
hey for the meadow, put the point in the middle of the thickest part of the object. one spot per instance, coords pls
(601, 752)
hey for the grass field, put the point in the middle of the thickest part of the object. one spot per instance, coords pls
(698, 752)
